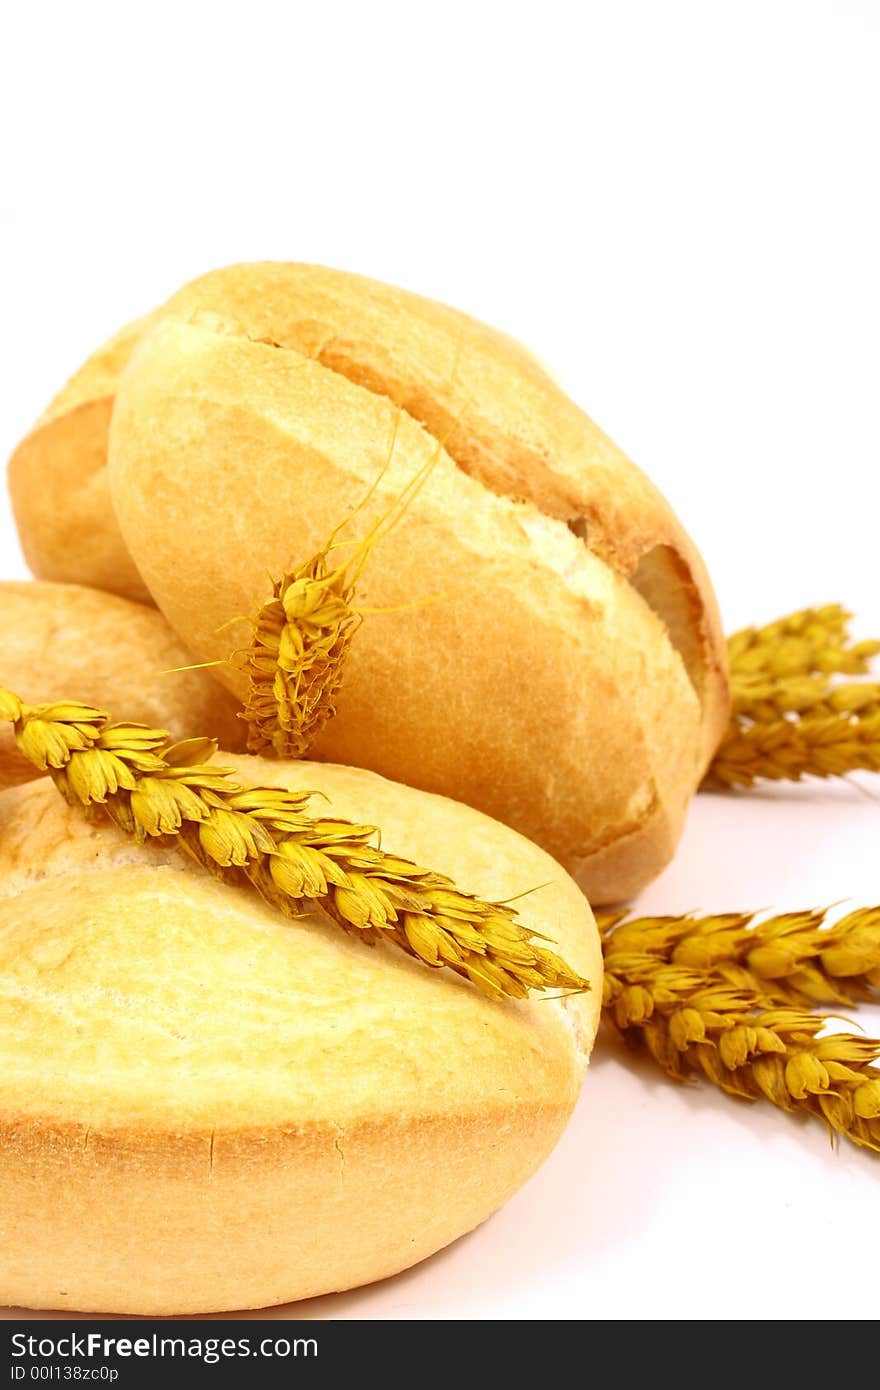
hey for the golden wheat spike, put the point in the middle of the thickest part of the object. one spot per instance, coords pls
(150, 787)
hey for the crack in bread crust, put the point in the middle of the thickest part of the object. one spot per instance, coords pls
(661, 575)
(653, 578)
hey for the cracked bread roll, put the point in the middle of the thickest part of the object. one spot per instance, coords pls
(567, 672)
(205, 1106)
(64, 641)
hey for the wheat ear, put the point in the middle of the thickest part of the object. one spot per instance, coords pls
(813, 640)
(301, 638)
(296, 657)
(791, 958)
(792, 715)
(789, 750)
(695, 1021)
(152, 788)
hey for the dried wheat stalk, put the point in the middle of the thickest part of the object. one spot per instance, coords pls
(266, 837)
(702, 995)
(296, 657)
(792, 717)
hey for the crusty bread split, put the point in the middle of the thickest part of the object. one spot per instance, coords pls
(569, 676)
(67, 642)
(205, 1106)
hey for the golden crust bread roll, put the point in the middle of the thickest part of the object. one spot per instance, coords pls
(63, 641)
(573, 683)
(205, 1106)
(58, 481)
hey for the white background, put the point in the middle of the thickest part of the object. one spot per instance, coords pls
(676, 205)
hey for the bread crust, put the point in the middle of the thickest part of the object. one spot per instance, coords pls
(252, 1110)
(65, 641)
(58, 480)
(222, 1223)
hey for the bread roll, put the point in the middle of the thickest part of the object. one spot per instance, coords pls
(58, 481)
(63, 642)
(204, 1106)
(573, 680)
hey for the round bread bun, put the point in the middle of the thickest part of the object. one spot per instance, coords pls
(58, 481)
(63, 641)
(570, 676)
(205, 1106)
